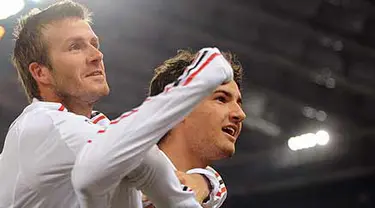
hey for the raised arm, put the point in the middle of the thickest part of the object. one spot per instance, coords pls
(118, 149)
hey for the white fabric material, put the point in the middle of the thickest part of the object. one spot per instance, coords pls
(56, 159)
(218, 193)
(216, 197)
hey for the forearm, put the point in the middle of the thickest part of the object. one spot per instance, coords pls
(156, 178)
(120, 148)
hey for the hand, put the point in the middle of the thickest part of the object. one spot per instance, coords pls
(197, 182)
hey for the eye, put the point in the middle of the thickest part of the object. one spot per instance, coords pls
(74, 46)
(221, 99)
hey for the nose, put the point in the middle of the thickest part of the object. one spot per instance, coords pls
(96, 56)
(237, 114)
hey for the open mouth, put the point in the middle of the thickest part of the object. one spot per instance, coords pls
(229, 130)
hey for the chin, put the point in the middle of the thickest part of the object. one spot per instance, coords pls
(96, 94)
(105, 91)
(101, 90)
(228, 150)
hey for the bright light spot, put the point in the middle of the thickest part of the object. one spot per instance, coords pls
(308, 140)
(36, 1)
(323, 137)
(11, 7)
(2, 32)
(292, 144)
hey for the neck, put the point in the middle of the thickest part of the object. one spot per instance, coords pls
(182, 157)
(78, 107)
(74, 105)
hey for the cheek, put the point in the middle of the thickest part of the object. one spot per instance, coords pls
(66, 67)
(67, 81)
(69, 78)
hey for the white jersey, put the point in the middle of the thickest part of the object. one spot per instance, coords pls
(155, 171)
(145, 177)
(55, 158)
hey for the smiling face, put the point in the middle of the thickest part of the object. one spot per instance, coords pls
(76, 61)
(213, 127)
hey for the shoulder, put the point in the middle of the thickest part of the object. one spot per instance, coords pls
(33, 121)
(40, 121)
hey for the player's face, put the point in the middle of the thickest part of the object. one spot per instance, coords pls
(77, 63)
(215, 124)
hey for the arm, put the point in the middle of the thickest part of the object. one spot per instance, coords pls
(199, 180)
(156, 178)
(120, 148)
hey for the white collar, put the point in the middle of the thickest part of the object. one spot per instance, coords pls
(49, 105)
(96, 116)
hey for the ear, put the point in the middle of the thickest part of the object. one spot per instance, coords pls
(40, 73)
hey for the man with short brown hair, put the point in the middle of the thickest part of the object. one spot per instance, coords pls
(209, 132)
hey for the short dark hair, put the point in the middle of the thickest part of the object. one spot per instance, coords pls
(173, 68)
(30, 46)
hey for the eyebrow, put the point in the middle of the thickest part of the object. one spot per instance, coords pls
(228, 94)
(79, 38)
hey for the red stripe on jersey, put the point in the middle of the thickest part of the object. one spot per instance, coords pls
(98, 119)
(217, 175)
(101, 131)
(124, 116)
(224, 189)
(191, 77)
(61, 108)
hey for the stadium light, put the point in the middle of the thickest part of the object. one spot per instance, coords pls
(308, 140)
(11, 7)
(2, 32)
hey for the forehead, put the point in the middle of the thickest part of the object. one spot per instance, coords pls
(230, 87)
(59, 31)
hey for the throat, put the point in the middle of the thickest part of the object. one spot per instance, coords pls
(78, 107)
(183, 159)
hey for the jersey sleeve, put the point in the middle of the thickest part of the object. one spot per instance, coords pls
(156, 178)
(219, 191)
(119, 148)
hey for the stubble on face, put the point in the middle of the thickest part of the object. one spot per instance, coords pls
(68, 67)
(204, 126)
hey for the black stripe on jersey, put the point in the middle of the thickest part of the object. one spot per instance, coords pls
(185, 188)
(178, 81)
(221, 181)
(94, 114)
(198, 62)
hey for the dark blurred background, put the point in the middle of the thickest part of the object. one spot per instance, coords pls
(309, 67)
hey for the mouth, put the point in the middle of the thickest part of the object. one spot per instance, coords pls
(230, 130)
(95, 73)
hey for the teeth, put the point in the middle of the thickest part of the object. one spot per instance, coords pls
(229, 130)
